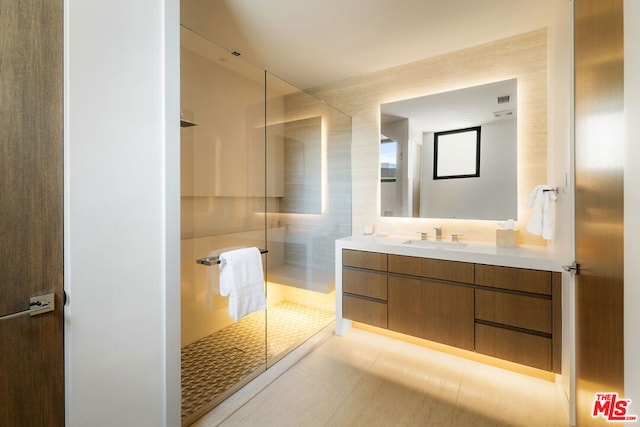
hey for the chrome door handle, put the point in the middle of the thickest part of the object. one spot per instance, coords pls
(37, 305)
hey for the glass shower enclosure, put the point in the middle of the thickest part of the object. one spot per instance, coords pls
(262, 165)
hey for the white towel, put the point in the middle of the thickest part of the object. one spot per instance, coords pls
(213, 275)
(213, 280)
(541, 222)
(242, 279)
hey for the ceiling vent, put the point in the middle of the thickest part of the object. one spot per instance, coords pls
(504, 99)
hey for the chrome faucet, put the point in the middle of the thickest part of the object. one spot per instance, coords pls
(438, 233)
(423, 235)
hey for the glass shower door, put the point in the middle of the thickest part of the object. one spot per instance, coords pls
(308, 197)
(262, 165)
(223, 208)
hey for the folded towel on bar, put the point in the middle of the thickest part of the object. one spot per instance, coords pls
(242, 279)
(213, 275)
(541, 222)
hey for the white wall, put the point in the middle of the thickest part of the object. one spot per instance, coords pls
(632, 204)
(122, 213)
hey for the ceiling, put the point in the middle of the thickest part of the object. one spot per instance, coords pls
(457, 109)
(310, 43)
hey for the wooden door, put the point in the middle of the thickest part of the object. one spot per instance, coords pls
(598, 41)
(31, 212)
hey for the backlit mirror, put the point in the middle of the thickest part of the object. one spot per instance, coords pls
(451, 154)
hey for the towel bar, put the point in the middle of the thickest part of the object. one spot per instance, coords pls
(216, 260)
(555, 190)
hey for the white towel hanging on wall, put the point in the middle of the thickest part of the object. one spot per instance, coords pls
(541, 222)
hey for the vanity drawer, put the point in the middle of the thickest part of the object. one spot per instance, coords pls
(362, 259)
(517, 279)
(454, 271)
(364, 310)
(519, 347)
(435, 311)
(515, 310)
(366, 283)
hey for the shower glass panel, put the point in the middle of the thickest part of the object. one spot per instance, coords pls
(308, 208)
(262, 165)
(222, 207)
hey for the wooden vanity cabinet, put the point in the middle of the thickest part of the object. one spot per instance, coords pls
(364, 287)
(451, 271)
(509, 313)
(435, 311)
(366, 260)
(518, 315)
(432, 299)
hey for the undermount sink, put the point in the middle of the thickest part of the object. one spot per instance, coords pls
(434, 244)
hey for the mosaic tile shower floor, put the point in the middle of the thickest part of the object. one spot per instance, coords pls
(214, 364)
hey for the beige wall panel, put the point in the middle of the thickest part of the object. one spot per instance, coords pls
(523, 56)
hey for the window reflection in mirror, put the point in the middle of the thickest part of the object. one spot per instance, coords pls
(390, 176)
(388, 159)
(456, 153)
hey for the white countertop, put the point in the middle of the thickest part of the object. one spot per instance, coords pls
(532, 257)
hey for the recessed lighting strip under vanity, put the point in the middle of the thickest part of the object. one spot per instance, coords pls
(487, 303)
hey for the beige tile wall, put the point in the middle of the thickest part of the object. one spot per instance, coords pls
(523, 56)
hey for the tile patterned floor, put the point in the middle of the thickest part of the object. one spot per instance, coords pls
(214, 364)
